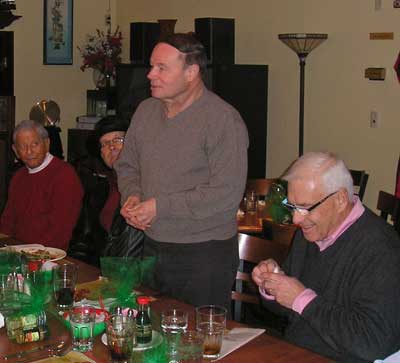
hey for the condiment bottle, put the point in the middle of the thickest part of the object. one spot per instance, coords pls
(143, 322)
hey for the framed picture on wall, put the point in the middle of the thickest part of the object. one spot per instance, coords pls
(58, 31)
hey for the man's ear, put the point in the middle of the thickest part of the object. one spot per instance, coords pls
(192, 71)
(342, 199)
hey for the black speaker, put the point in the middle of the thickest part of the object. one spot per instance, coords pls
(232, 82)
(132, 88)
(6, 63)
(218, 37)
(144, 37)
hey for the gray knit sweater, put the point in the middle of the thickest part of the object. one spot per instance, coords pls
(194, 165)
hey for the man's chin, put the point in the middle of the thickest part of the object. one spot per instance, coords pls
(309, 234)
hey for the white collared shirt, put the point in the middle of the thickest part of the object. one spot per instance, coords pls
(46, 162)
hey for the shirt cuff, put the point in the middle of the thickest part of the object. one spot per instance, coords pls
(302, 300)
(265, 295)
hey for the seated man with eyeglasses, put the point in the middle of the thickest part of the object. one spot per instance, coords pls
(122, 240)
(110, 133)
(340, 285)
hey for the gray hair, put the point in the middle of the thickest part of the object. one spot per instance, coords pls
(190, 46)
(328, 167)
(30, 125)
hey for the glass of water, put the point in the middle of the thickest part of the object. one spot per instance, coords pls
(174, 323)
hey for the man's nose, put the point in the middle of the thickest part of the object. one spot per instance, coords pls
(151, 74)
(297, 217)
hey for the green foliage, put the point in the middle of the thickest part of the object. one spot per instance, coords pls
(124, 275)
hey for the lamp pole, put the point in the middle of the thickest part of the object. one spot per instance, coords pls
(302, 58)
(302, 44)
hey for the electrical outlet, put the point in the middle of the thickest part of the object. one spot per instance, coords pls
(374, 119)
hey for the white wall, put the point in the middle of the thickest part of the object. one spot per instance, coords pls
(65, 84)
(338, 98)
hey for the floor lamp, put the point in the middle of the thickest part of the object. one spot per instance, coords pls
(302, 44)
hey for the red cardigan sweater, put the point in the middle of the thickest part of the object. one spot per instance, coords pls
(43, 207)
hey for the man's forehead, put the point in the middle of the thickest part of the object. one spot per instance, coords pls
(166, 52)
(305, 186)
(28, 133)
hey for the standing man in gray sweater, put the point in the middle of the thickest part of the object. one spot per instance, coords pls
(182, 174)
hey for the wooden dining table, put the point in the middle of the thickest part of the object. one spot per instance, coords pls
(264, 348)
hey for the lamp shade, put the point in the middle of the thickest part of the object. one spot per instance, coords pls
(302, 43)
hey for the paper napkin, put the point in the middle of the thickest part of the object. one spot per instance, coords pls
(236, 338)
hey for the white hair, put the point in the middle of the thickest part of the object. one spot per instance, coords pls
(327, 167)
(30, 125)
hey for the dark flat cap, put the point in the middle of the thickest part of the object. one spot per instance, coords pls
(109, 124)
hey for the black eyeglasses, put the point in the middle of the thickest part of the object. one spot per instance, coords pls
(115, 141)
(304, 210)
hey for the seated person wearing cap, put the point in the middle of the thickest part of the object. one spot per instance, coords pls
(340, 284)
(122, 239)
(44, 197)
(110, 133)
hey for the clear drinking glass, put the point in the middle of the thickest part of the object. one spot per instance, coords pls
(174, 322)
(82, 319)
(190, 347)
(121, 337)
(64, 280)
(251, 201)
(211, 321)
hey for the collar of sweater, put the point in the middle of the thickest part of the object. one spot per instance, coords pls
(356, 212)
(46, 162)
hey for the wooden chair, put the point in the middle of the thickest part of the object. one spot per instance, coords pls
(389, 205)
(252, 249)
(360, 180)
(281, 233)
(260, 186)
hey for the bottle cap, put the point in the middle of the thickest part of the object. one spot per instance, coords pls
(143, 300)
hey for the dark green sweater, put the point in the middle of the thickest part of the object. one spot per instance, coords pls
(356, 315)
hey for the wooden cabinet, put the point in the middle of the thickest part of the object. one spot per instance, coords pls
(7, 123)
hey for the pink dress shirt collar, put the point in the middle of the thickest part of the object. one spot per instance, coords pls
(356, 212)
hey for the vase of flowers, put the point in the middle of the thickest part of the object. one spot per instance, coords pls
(102, 52)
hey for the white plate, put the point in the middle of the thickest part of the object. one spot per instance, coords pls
(55, 253)
(156, 340)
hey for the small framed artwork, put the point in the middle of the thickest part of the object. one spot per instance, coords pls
(58, 31)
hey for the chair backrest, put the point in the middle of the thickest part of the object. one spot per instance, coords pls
(260, 186)
(252, 250)
(389, 205)
(281, 233)
(360, 180)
